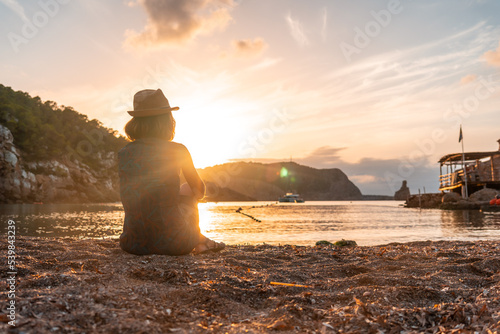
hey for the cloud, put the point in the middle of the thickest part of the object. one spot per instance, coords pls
(473, 2)
(493, 57)
(16, 8)
(179, 21)
(363, 178)
(324, 22)
(131, 3)
(266, 63)
(323, 157)
(297, 31)
(468, 79)
(248, 47)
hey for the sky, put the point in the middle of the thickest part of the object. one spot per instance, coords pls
(377, 88)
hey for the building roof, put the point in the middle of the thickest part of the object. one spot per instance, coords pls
(468, 156)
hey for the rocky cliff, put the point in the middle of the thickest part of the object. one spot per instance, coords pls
(60, 180)
(267, 182)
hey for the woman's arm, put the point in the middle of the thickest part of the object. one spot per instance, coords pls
(191, 175)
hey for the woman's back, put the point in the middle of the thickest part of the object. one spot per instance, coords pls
(149, 171)
(149, 165)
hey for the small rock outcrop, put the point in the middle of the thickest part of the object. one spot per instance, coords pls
(453, 200)
(451, 197)
(483, 195)
(425, 201)
(403, 193)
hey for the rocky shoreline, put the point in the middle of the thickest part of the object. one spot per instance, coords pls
(480, 200)
(70, 285)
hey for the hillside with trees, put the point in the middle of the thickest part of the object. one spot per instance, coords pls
(46, 131)
(52, 153)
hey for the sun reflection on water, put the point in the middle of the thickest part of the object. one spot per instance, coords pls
(205, 217)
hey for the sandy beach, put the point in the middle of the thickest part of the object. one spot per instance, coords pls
(66, 285)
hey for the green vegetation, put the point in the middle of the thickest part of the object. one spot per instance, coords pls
(46, 131)
(345, 243)
(323, 243)
(340, 243)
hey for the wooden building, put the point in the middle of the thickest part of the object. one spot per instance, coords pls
(482, 170)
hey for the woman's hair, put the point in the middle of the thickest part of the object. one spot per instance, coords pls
(161, 126)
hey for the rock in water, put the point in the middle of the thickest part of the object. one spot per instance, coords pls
(451, 197)
(483, 195)
(403, 193)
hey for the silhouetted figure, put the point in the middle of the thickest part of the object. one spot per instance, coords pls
(161, 216)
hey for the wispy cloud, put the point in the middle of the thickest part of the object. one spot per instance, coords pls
(468, 79)
(474, 2)
(324, 23)
(179, 21)
(392, 102)
(16, 8)
(266, 63)
(403, 73)
(297, 30)
(249, 47)
(323, 156)
(493, 57)
(363, 179)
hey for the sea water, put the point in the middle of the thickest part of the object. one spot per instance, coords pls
(366, 222)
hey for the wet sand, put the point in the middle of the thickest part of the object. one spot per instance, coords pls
(67, 285)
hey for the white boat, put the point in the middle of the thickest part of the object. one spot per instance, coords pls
(291, 198)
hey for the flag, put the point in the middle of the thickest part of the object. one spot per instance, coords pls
(460, 137)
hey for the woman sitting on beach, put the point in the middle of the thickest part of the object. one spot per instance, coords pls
(161, 217)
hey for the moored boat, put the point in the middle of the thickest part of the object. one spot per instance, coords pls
(291, 198)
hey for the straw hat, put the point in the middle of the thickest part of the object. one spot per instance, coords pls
(150, 102)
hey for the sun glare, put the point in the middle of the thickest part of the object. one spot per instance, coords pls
(212, 134)
(205, 217)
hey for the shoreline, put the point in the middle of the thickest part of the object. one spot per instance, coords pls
(212, 202)
(88, 285)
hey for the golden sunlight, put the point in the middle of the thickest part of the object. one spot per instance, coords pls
(212, 134)
(205, 217)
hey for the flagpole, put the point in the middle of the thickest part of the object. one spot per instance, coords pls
(463, 162)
